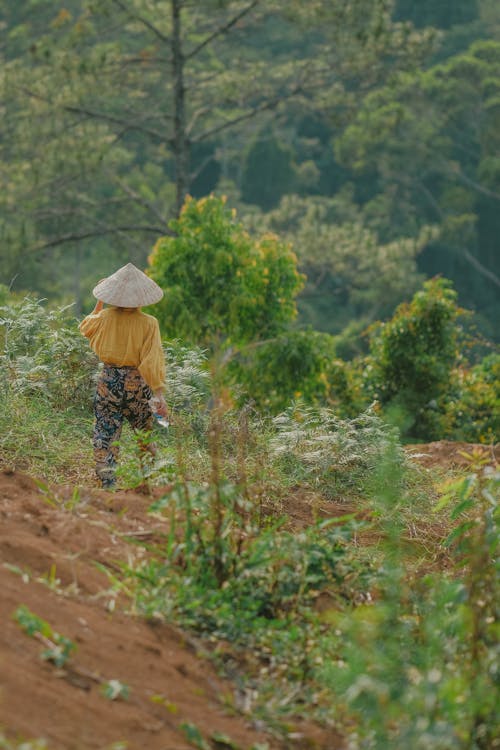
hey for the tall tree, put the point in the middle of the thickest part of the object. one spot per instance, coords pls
(432, 141)
(106, 101)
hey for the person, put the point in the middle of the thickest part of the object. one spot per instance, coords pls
(128, 343)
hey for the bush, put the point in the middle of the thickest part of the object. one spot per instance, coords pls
(220, 284)
(473, 408)
(327, 452)
(412, 358)
(43, 352)
(417, 669)
(297, 365)
(274, 373)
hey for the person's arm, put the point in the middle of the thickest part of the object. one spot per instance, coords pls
(98, 307)
(89, 323)
(152, 368)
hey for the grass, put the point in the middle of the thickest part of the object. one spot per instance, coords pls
(313, 623)
(43, 441)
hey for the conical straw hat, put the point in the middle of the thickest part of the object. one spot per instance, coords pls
(128, 287)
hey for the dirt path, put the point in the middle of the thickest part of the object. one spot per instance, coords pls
(449, 454)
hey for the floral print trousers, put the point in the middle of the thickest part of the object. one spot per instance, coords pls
(121, 393)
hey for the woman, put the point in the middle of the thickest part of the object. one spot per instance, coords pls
(128, 342)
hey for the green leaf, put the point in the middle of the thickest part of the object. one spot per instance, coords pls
(461, 508)
(114, 690)
(223, 741)
(459, 532)
(31, 623)
(194, 736)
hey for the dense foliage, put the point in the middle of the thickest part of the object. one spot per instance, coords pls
(115, 110)
(413, 355)
(219, 283)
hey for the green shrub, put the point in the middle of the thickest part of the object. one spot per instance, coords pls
(412, 357)
(42, 351)
(316, 447)
(298, 364)
(473, 407)
(417, 669)
(273, 373)
(225, 578)
(221, 284)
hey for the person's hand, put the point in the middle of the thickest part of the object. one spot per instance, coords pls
(160, 406)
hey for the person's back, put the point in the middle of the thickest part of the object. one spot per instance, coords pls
(124, 336)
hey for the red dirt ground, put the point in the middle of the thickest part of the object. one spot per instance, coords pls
(448, 454)
(45, 542)
(47, 562)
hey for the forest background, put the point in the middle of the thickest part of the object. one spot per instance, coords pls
(365, 134)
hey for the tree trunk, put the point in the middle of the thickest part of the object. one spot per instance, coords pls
(180, 141)
(77, 290)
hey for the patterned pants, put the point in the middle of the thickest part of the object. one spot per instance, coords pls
(121, 393)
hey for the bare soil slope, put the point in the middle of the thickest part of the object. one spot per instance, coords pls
(48, 549)
(47, 556)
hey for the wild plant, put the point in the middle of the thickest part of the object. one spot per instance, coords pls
(43, 352)
(225, 574)
(37, 744)
(58, 648)
(418, 668)
(44, 440)
(327, 452)
(140, 466)
(188, 382)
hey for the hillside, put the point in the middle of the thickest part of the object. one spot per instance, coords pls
(50, 542)
(48, 564)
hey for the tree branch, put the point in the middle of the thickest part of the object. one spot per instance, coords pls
(76, 237)
(139, 198)
(475, 185)
(482, 269)
(156, 31)
(241, 118)
(466, 253)
(222, 29)
(73, 109)
(270, 104)
(113, 119)
(194, 119)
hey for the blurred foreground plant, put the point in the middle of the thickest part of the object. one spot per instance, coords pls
(419, 668)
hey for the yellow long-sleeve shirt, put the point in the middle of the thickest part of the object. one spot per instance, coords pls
(127, 337)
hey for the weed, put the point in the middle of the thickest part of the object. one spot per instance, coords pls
(114, 690)
(319, 448)
(194, 736)
(58, 647)
(53, 499)
(38, 744)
